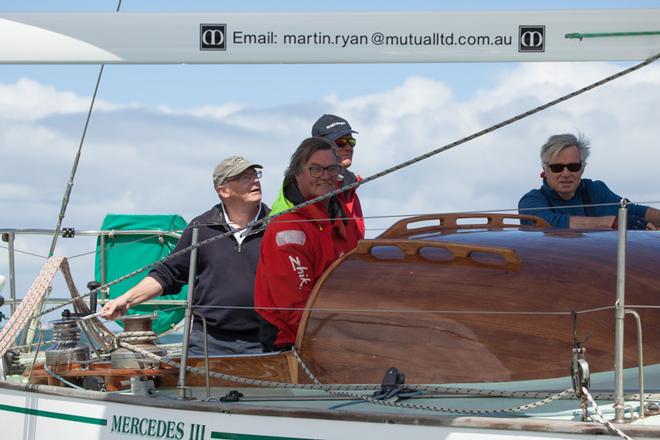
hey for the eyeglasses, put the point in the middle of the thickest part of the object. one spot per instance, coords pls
(317, 171)
(559, 167)
(246, 178)
(342, 142)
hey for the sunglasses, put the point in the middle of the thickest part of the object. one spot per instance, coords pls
(559, 167)
(342, 142)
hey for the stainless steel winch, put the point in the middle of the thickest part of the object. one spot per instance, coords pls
(67, 349)
(138, 332)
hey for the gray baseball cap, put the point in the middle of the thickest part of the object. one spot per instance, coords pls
(230, 167)
(331, 127)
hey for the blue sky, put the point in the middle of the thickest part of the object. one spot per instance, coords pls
(158, 131)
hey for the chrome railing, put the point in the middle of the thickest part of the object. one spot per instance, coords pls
(9, 236)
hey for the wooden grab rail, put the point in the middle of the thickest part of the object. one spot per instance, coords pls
(451, 221)
(411, 248)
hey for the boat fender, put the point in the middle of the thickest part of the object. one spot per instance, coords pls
(392, 386)
(232, 396)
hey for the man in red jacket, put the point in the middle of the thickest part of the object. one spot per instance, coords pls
(299, 246)
(339, 131)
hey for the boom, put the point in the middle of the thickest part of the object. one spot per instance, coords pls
(341, 37)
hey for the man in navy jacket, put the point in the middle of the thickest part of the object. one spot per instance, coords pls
(226, 268)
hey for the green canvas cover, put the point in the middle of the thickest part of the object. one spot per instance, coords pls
(126, 253)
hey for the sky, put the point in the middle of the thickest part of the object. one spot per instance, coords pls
(158, 131)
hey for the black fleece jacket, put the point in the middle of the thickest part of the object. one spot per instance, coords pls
(225, 277)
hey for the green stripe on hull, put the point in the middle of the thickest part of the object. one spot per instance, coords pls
(54, 415)
(233, 436)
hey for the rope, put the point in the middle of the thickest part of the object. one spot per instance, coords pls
(600, 418)
(262, 222)
(136, 337)
(393, 403)
(337, 389)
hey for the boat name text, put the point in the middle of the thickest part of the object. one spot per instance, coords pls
(155, 428)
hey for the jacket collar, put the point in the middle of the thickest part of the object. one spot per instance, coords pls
(327, 218)
(218, 217)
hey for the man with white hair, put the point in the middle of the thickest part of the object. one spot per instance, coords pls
(566, 200)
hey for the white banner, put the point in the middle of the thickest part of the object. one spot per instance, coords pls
(355, 37)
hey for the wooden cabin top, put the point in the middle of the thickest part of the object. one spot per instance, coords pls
(477, 298)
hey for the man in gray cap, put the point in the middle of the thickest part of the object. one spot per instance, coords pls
(339, 131)
(226, 268)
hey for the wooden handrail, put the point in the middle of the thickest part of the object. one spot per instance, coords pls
(451, 221)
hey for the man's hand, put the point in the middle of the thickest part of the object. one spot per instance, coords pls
(114, 309)
(143, 291)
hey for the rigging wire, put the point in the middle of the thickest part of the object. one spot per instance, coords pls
(76, 160)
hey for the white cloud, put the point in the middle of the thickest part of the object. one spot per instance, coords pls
(28, 100)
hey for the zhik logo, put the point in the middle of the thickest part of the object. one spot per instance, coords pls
(212, 37)
(531, 39)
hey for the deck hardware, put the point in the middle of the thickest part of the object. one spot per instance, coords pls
(392, 385)
(94, 383)
(619, 314)
(11, 362)
(580, 369)
(651, 409)
(181, 386)
(67, 349)
(232, 396)
(141, 386)
(93, 298)
(68, 232)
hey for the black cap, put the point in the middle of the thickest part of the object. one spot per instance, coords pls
(331, 127)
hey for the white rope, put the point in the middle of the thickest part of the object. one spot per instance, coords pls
(600, 418)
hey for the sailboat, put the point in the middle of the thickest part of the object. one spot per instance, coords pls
(444, 325)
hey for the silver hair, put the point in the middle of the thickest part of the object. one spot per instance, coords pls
(558, 142)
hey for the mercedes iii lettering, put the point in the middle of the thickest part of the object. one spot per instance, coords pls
(212, 36)
(531, 39)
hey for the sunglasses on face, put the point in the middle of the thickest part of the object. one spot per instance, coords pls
(342, 142)
(318, 171)
(559, 167)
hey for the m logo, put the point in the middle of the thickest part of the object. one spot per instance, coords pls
(212, 37)
(531, 39)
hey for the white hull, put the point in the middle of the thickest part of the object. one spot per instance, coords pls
(50, 413)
